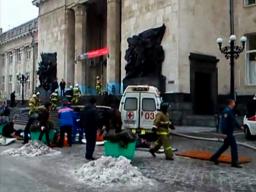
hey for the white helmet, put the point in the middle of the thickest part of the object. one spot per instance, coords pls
(34, 95)
(38, 93)
(77, 85)
(254, 97)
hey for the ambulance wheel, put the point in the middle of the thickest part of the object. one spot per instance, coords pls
(247, 132)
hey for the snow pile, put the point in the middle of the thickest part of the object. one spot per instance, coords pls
(31, 149)
(108, 171)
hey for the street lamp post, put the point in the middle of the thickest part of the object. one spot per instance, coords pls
(22, 78)
(232, 52)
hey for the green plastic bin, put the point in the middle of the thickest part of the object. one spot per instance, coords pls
(35, 136)
(1, 128)
(114, 149)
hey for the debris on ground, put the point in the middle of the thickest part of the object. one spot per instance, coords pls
(108, 172)
(31, 149)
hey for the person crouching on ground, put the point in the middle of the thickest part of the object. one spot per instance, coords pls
(161, 127)
(66, 120)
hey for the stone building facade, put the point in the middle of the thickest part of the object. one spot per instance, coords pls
(73, 27)
(196, 71)
(18, 55)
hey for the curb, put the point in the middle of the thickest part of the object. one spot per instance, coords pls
(212, 139)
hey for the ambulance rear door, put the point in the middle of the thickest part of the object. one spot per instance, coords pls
(148, 106)
(130, 110)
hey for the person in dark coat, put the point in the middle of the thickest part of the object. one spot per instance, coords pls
(228, 123)
(13, 99)
(62, 87)
(90, 122)
(45, 125)
(55, 85)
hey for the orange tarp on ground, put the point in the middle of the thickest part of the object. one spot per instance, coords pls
(205, 155)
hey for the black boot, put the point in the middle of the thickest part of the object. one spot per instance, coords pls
(215, 161)
(152, 152)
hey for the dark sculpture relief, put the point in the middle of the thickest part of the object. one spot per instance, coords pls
(47, 70)
(145, 54)
(144, 57)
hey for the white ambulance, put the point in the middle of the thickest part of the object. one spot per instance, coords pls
(138, 107)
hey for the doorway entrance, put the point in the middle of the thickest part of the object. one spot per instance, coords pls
(203, 83)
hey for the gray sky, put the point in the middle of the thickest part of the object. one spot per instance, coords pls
(16, 12)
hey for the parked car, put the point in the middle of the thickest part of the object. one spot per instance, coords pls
(249, 126)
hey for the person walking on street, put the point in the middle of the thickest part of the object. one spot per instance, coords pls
(161, 127)
(90, 122)
(66, 120)
(62, 87)
(228, 123)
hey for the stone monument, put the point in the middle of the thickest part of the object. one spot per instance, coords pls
(47, 73)
(144, 57)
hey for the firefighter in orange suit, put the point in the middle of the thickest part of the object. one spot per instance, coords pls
(161, 128)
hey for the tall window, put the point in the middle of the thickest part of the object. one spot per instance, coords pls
(10, 84)
(18, 55)
(251, 59)
(10, 58)
(249, 2)
(10, 78)
(2, 83)
(17, 88)
(28, 53)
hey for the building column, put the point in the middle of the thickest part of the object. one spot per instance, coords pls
(69, 47)
(80, 43)
(23, 70)
(113, 44)
(6, 72)
(13, 71)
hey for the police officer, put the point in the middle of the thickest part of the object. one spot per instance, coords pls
(54, 98)
(227, 124)
(161, 127)
(76, 94)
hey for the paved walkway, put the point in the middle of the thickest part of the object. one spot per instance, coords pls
(53, 174)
